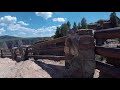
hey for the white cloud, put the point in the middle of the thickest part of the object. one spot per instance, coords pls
(47, 29)
(2, 30)
(22, 33)
(18, 27)
(6, 20)
(13, 27)
(59, 19)
(45, 15)
(23, 23)
(11, 22)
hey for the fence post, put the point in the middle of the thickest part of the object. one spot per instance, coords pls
(1, 53)
(80, 55)
(26, 54)
(14, 55)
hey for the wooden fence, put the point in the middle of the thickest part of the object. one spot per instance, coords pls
(54, 50)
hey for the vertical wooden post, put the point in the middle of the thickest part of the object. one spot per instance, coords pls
(26, 54)
(80, 55)
(14, 55)
(22, 53)
(1, 53)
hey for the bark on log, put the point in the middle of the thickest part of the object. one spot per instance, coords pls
(80, 56)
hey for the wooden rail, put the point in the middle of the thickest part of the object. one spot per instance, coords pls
(108, 52)
(107, 33)
(51, 42)
(50, 57)
(56, 49)
(108, 69)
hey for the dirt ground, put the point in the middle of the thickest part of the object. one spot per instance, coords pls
(32, 69)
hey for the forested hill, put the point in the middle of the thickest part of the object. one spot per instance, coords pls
(12, 41)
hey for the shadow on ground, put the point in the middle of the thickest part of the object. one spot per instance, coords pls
(54, 71)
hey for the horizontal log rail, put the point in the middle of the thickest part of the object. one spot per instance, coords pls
(108, 69)
(107, 33)
(58, 40)
(50, 57)
(56, 49)
(108, 52)
(7, 55)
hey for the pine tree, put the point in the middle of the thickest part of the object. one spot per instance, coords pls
(57, 33)
(101, 23)
(79, 26)
(75, 26)
(83, 23)
(113, 19)
(68, 24)
(64, 29)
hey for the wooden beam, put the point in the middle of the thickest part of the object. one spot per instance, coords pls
(108, 52)
(56, 49)
(9, 56)
(107, 33)
(58, 40)
(108, 69)
(1, 53)
(50, 57)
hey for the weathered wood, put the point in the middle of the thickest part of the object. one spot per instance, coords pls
(1, 53)
(56, 49)
(58, 40)
(108, 69)
(107, 33)
(85, 32)
(13, 54)
(113, 61)
(50, 57)
(22, 53)
(108, 52)
(9, 56)
(80, 56)
(26, 54)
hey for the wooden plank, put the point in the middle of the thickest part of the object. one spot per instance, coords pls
(107, 33)
(1, 53)
(108, 69)
(9, 56)
(108, 52)
(56, 49)
(58, 40)
(50, 57)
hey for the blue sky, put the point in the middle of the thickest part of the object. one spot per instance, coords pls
(42, 24)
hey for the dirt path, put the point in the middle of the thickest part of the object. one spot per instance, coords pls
(23, 69)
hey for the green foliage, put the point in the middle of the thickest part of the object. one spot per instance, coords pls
(68, 24)
(113, 19)
(62, 30)
(79, 26)
(83, 23)
(57, 33)
(101, 23)
(75, 26)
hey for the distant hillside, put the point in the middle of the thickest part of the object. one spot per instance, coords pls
(11, 41)
(7, 38)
